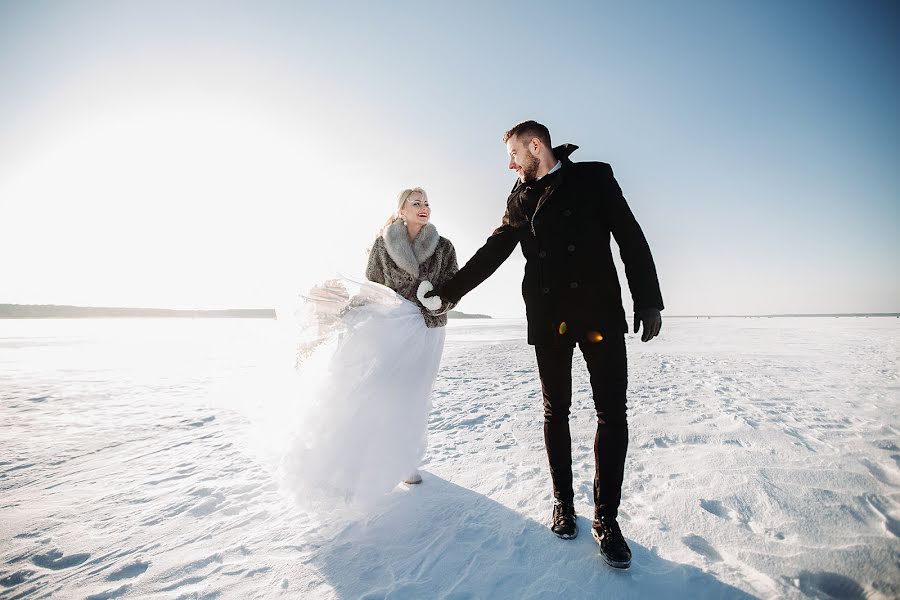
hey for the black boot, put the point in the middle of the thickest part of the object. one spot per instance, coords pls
(562, 523)
(613, 548)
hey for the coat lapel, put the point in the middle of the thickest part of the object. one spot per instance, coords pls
(548, 194)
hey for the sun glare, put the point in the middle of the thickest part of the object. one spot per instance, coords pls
(164, 202)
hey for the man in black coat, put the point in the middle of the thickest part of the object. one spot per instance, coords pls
(562, 213)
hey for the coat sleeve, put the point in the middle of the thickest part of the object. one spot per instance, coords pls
(485, 261)
(374, 270)
(449, 268)
(633, 248)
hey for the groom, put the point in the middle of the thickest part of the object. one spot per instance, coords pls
(562, 213)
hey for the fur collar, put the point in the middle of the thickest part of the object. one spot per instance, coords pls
(409, 255)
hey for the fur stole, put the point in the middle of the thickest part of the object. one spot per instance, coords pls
(409, 255)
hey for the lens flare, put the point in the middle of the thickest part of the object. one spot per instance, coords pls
(562, 328)
(594, 336)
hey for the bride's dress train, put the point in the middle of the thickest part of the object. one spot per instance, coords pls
(366, 364)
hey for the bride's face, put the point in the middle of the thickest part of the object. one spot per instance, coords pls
(416, 210)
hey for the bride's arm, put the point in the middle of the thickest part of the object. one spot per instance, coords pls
(449, 267)
(374, 271)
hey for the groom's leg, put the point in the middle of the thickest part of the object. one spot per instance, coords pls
(608, 366)
(555, 368)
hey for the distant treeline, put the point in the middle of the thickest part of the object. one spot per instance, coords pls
(58, 311)
(455, 314)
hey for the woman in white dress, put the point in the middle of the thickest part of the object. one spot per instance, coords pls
(367, 363)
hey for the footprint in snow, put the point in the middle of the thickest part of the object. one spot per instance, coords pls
(15, 579)
(56, 560)
(128, 571)
(830, 585)
(701, 547)
(715, 507)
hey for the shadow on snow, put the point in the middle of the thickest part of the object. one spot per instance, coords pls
(439, 540)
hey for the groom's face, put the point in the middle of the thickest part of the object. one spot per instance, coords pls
(521, 159)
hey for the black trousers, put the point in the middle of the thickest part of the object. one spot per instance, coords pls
(608, 368)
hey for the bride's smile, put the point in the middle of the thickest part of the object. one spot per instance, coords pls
(416, 210)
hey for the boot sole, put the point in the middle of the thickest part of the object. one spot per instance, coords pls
(562, 536)
(613, 563)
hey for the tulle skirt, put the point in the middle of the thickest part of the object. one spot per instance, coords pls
(365, 368)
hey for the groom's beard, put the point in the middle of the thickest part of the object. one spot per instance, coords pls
(530, 168)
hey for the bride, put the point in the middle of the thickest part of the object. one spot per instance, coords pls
(367, 362)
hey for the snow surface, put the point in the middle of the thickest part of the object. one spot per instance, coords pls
(764, 462)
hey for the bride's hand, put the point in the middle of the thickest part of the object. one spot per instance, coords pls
(429, 301)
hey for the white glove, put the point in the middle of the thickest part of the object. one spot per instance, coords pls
(433, 303)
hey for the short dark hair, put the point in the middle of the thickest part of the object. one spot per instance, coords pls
(527, 130)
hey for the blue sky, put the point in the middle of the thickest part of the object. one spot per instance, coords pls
(216, 153)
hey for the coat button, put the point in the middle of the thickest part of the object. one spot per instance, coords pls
(546, 290)
(567, 213)
(542, 254)
(571, 247)
(573, 285)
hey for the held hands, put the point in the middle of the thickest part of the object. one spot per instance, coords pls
(651, 320)
(439, 291)
(428, 296)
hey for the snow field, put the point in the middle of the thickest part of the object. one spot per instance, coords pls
(763, 462)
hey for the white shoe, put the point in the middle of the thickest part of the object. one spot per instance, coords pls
(413, 479)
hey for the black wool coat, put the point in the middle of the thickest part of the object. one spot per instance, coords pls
(563, 223)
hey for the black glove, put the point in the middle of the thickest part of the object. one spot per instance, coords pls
(651, 320)
(439, 291)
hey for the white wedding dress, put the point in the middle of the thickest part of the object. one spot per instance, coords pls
(365, 367)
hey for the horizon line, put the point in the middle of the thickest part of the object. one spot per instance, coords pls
(695, 316)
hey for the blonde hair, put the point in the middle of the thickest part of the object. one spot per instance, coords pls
(401, 200)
